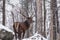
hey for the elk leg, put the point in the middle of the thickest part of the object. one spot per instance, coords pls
(15, 36)
(19, 36)
(23, 34)
(15, 32)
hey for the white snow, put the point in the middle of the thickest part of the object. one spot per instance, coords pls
(6, 28)
(8, 7)
(36, 36)
(14, 2)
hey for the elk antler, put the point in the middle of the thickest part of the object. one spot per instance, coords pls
(32, 15)
(21, 12)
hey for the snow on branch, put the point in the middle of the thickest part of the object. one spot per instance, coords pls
(6, 28)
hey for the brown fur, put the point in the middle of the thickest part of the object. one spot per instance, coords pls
(21, 27)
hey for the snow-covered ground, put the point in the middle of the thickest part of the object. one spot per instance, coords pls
(36, 36)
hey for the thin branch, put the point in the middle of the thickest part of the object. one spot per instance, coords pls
(12, 16)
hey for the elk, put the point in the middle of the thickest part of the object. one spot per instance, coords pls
(21, 27)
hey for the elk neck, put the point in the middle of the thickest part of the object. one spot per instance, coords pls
(27, 23)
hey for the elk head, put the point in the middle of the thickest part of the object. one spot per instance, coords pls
(28, 19)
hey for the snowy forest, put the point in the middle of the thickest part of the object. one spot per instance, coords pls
(29, 19)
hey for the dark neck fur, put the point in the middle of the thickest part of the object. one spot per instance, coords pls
(27, 23)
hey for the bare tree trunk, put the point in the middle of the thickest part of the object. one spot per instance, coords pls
(3, 12)
(51, 27)
(39, 16)
(44, 19)
(54, 13)
(35, 16)
(25, 7)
